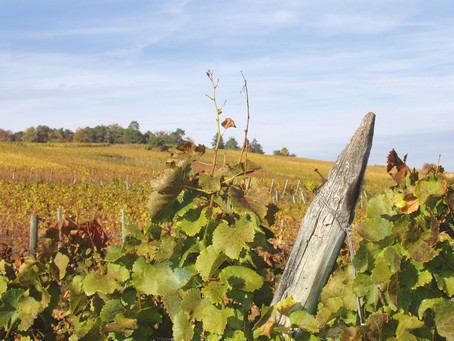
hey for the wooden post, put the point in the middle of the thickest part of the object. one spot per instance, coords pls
(297, 187)
(322, 230)
(59, 218)
(33, 240)
(285, 187)
(123, 224)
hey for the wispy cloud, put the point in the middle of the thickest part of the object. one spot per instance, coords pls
(314, 69)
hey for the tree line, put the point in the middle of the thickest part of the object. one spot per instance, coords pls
(115, 134)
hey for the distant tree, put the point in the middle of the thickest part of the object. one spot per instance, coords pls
(255, 147)
(97, 134)
(55, 135)
(215, 141)
(17, 136)
(5, 135)
(132, 134)
(155, 141)
(283, 152)
(42, 133)
(232, 144)
(163, 140)
(116, 133)
(176, 137)
(30, 135)
(67, 134)
(80, 135)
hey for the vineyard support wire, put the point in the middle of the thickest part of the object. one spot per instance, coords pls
(347, 228)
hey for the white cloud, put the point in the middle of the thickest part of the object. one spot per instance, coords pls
(313, 70)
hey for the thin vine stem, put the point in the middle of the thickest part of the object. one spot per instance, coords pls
(246, 130)
(218, 121)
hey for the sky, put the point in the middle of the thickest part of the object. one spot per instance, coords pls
(314, 69)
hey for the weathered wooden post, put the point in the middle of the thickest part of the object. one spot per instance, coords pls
(323, 228)
(33, 240)
(123, 224)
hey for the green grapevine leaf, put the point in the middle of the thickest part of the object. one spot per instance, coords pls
(286, 305)
(231, 240)
(26, 321)
(193, 221)
(88, 329)
(61, 261)
(361, 260)
(160, 279)
(401, 228)
(181, 326)
(409, 275)
(209, 261)
(405, 323)
(255, 200)
(121, 324)
(363, 286)
(444, 318)
(445, 284)
(421, 251)
(425, 189)
(9, 306)
(381, 274)
(210, 184)
(375, 229)
(3, 285)
(216, 292)
(29, 305)
(166, 249)
(339, 287)
(240, 168)
(380, 206)
(111, 309)
(215, 320)
(424, 277)
(242, 297)
(304, 320)
(97, 282)
(182, 329)
(166, 188)
(119, 272)
(238, 335)
(393, 257)
(190, 299)
(242, 278)
(113, 253)
(142, 275)
(132, 230)
(77, 298)
(375, 323)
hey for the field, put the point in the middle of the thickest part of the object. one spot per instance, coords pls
(88, 181)
(207, 267)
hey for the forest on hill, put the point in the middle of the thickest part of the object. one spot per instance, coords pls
(116, 134)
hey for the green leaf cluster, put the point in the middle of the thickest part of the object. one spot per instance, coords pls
(197, 272)
(404, 268)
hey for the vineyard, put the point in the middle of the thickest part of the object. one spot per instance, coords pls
(201, 253)
(98, 181)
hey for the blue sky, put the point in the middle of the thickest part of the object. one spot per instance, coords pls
(314, 69)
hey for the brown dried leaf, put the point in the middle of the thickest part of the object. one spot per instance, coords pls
(412, 204)
(228, 123)
(393, 160)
